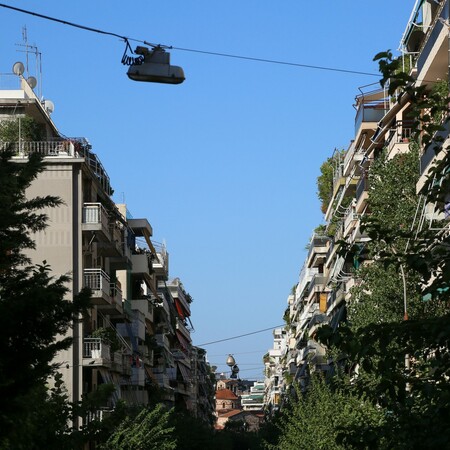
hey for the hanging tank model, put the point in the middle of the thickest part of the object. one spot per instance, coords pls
(155, 67)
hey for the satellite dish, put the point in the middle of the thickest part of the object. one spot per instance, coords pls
(49, 106)
(32, 82)
(18, 68)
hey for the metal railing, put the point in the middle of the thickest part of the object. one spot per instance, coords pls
(45, 148)
(363, 185)
(317, 280)
(95, 348)
(96, 280)
(116, 293)
(95, 213)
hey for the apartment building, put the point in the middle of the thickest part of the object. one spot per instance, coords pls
(382, 121)
(136, 335)
(254, 400)
(274, 369)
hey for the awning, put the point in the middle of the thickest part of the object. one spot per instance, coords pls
(183, 341)
(180, 309)
(185, 373)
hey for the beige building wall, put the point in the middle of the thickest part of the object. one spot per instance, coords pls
(60, 246)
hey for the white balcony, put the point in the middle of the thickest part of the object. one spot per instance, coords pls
(96, 352)
(62, 148)
(95, 218)
(106, 296)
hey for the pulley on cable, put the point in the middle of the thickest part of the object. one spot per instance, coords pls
(152, 65)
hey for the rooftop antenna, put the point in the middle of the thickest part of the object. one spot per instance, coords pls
(32, 49)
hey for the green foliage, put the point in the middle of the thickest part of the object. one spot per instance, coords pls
(320, 417)
(34, 309)
(379, 298)
(396, 392)
(414, 396)
(20, 216)
(392, 197)
(109, 335)
(150, 429)
(325, 184)
(30, 130)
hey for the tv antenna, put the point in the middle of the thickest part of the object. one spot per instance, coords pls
(32, 50)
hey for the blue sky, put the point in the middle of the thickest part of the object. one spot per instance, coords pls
(224, 166)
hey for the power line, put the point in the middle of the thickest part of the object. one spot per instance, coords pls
(239, 353)
(204, 52)
(274, 61)
(241, 335)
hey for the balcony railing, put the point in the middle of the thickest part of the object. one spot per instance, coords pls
(363, 185)
(96, 214)
(317, 242)
(431, 36)
(97, 280)
(96, 348)
(318, 280)
(116, 293)
(45, 148)
(371, 111)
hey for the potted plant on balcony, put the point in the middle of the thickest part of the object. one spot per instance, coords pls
(109, 336)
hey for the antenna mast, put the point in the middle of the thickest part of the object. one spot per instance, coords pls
(38, 58)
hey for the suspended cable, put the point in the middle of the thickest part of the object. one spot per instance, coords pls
(225, 55)
(239, 353)
(241, 335)
(64, 22)
(274, 61)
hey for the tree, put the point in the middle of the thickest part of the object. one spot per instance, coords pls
(34, 309)
(25, 128)
(320, 418)
(150, 429)
(325, 180)
(413, 396)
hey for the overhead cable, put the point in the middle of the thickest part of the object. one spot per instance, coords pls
(241, 335)
(205, 52)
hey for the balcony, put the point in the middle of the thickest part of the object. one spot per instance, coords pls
(370, 109)
(162, 379)
(97, 415)
(121, 363)
(352, 157)
(61, 148)
(362, 194)
(316, 284)
(95, 218)
(145, 307)
(106, 296)
(399, 137)
(350, 219)
(433, 59)
(316, 321)
(301, 356)
(429, 154)
(161, 263)
(142, 265)
(162, 341)
(96, 353)
(318, 248)
(335, 298)
(181, 328)
(137, 376)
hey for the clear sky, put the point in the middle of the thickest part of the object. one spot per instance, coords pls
(224, 166)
